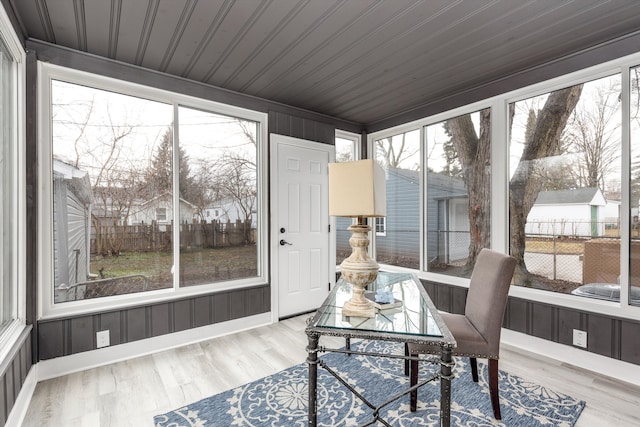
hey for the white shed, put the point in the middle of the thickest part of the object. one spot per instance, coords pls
(577, 213)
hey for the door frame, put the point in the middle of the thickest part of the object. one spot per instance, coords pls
(275, 141)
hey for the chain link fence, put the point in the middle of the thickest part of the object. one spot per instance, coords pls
(102, 288)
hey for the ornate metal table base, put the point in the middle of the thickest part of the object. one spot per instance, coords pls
(416, 320)
(445, 376)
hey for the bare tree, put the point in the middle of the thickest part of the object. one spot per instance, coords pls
(237, 183)
(593, 134)
(115, 177)
(238, 180)
(113, 183)
(394, 152)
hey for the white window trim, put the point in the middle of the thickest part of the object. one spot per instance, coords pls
(382, 233)
(46, 308)
(500, 182)
(357, 141)
(12, 332)
(357, 155)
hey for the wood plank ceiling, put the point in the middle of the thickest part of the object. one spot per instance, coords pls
(358, 60)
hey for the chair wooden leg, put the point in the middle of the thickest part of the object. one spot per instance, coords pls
(474, 368)
(493, 388)
(413, 380)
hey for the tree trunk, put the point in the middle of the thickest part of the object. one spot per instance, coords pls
(474, 153)
(525, 184)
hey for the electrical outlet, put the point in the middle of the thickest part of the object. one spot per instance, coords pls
(102, 339)
(579, 338)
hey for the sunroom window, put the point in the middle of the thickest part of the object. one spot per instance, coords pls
(146, 192)
(565, 194)
(218, 164)
(399, 155)
(8, 187)
(111, 183)
(458, 200)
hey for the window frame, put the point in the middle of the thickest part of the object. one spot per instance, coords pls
(46, 307)
(371, 149)
(381, 223)
(11, 333)
(356, 140)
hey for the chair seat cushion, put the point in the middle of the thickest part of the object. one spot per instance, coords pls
(470, 342)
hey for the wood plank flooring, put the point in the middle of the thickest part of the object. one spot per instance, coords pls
(130, 393)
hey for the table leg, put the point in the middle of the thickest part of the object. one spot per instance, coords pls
(446, 364)
(312, 362)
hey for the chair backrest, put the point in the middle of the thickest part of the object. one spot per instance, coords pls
(488, 293)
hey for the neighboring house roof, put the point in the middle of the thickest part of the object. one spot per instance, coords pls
(447, 187)
(165, 196)
(411, 176)
(566, 197)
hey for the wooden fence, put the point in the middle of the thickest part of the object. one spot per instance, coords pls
(158, 237)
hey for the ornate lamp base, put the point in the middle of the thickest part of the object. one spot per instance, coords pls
(359, 270)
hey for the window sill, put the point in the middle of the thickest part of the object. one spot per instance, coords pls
(99, 305)
(591, 305)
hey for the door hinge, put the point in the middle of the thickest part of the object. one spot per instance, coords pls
(329, 226)
(329, 286)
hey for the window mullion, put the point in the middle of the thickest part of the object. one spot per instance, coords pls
(175, 217)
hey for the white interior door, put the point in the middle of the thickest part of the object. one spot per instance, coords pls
(300, 224)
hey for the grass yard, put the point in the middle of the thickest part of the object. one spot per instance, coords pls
(197, 266)
(560, 246)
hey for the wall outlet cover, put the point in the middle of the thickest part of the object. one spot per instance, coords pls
(102, 339)
(580, 338)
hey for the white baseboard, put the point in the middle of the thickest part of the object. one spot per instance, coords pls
(65, 365)
(613, 368)
(21, 404)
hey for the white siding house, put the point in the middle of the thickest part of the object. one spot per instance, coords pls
(160, 210)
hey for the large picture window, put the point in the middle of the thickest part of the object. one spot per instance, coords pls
(112, 187)
(565, 195)
(147, 192)
(458, 192)
(218, 164)
(399, 155)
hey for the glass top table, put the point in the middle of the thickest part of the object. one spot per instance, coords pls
(415, 315)
(412, 319)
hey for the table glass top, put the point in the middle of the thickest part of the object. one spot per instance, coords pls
(414, 314)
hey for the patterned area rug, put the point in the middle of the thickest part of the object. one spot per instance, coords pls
(281, 399)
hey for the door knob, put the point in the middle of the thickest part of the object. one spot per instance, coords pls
(284, 242)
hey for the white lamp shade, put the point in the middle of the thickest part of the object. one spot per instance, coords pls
(357, 189)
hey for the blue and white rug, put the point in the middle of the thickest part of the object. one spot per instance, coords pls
(281, 399)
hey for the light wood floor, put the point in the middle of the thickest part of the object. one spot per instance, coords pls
(130, 393)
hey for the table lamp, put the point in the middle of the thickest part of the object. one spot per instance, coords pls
(357, 189)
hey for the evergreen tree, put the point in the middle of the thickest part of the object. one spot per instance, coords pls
(159, 176)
